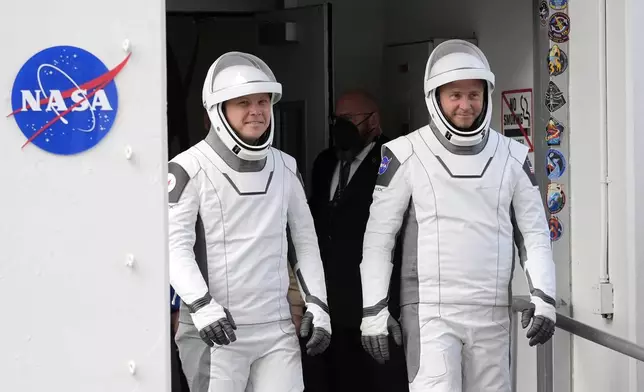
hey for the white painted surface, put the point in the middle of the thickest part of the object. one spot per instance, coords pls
(74, 315)
(597, 368)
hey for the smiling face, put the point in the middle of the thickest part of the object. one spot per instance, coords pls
(249, 115)
(462, 101)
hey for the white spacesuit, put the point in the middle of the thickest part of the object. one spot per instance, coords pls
(231, 204)
(459, 197)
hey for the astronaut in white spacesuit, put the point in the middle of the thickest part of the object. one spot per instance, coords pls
(459, 193)
(233, 201)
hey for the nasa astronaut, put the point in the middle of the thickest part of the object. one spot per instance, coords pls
(233, 199)
(459, 193)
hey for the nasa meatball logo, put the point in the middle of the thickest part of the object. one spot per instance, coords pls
(64, 99)
(384, 165)
(172, 182)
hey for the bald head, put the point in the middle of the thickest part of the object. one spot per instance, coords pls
(361, 109)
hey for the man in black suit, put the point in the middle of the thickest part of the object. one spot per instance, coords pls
(343, 181)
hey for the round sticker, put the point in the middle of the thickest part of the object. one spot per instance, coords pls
(172, 182)
(555, 164)
(64, 99)
(559, 27)
(556, 198)
(557, 61)
(556, 228)
(553, 132)
(558, 4)
(544, 12)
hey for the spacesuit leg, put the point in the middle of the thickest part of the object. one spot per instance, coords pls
(433, 349)
(217, 369)
(486, 357)
(279, 365)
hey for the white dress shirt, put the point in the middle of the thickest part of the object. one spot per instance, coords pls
(354, 166)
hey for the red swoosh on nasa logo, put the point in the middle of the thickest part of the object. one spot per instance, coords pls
(99, 83)
(88, 85)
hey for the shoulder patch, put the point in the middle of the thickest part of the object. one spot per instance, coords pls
(388, 167)
(177, 180)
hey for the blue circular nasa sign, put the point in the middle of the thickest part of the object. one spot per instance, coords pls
(64, 100)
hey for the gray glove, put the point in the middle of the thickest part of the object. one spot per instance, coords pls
(214, 322)
(316, 322)
(375, 335)
(543, 316)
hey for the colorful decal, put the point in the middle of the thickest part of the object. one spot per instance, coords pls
(554, 97)
(557, 61)
(555, 164)
(556, 197)
(544, 12)
(553, 132)
(559, 27)
(556, 228)
(64, 99)
(384, 165)
(558, 4)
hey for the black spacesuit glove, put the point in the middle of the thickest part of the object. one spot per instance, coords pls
(378, 345)
(543, 316)
(214, 322)
(316, 323)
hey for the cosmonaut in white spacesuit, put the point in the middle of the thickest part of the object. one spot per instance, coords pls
(233, 200)
(460, 192)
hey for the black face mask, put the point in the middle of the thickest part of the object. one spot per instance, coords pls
(347, 140)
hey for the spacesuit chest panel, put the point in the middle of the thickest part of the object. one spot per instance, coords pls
(464, 204)
(245, 215)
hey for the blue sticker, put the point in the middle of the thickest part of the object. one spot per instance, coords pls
(558, 4)
(384, 165)
(555, 164)
(64, 99)
(556, 198)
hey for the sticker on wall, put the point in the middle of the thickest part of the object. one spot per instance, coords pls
(558, 4)
(556, 228)
(554, 129)
(556, 198)
(557, 61)
(554, 97)
(544, 12)
(64, 99)
(555, 164)
(559, 27)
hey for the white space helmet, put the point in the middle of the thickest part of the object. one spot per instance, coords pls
(458, 60)
(233, 75)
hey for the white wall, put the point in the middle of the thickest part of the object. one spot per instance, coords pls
(597, 368)
(73, 315)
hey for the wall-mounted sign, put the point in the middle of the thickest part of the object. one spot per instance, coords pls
(516, 116)
(64, 99)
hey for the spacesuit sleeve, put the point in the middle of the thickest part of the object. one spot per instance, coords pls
(185, 276)
(391, 198)
(307, 263)
(532, 237)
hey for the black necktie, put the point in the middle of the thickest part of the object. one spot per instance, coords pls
(345, 168)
